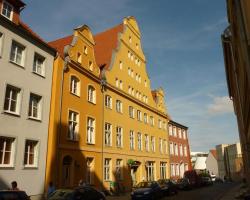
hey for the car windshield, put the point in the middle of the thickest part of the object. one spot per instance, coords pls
(144, 184)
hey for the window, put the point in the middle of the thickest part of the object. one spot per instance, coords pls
(12, 99)
(174, 131)
(1, 43)
(6, 151)
(171, 147)
(129, 71)
(150, 171)
(129, 89)
(139, 142)
(31, 153)
(181, 150)
(137, 46)
(184, 134)
(172, 169)
(177, 172)
(38, 64)
(121, 85)
(132, 140)
(7, 10)
(151, 120)
(85, 50)
(146, 142)
(161, 145)
(145, 83)
(119, 106)
(165, 150)
(179, 133)
(17, 53)
(91, 94)
(132, 73)
(90, 131)
(153, 143)
(108, 134)
(163, 170)
(35, 106)
(129, 54)
(119, 136)
(107, 167)
(159, 124)
(170, 130)
(116, 82)
(90, 65)
(185, 151)
(118, 169)
(164, 125)
(139, 116)
(108, 101)
(131, 112)
(75, 85)
(79, 57)
(130, 39)
(73, 125)
(145, 118)
(89, 170)
(176, 149)
(120, 64)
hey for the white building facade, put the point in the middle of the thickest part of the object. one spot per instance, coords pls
(26, 64)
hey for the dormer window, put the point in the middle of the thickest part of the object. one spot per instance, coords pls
(7, 10)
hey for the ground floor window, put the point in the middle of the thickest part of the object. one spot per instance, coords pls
(118, 169)
(107, 167)
(172, 169)
(6, 151)
(163, 170)
(177, 172)
(150, 171)
(89, 170)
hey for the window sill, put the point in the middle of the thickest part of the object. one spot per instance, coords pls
(76, 95)
(90, 143)
(7, 167)
(42, 76)
(11, 113)
(30, 167)
(108, 146)
(119, 147)
(19, 65)
(35, 119)
(109, 108)
(94, 103)
(72, 140)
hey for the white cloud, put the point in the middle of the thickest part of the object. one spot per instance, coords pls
(220, 105)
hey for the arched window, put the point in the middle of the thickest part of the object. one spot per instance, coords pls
(75, 85)
(91, 94)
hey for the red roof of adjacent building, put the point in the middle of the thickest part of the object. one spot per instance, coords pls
(214, 153)
(105, 42)
(59, 44)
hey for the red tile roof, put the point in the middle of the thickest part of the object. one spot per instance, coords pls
(105, 42)
(59, 44)
(214, 153)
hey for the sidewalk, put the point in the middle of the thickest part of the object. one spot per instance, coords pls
(234, 192)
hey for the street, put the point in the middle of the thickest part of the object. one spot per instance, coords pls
(215, 192)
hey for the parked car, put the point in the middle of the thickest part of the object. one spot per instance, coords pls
(168, 187)
(13, 195)
(148, 190)
(193, 178)
(80, 193)
(183, 184)
(206, 180)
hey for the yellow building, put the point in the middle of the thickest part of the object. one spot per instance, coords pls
(75, 138)
(107, 126)
(135, 118)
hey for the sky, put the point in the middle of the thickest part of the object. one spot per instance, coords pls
(181, 42)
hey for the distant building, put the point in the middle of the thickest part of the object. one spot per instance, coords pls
(180, 160)
(212, 163)
(199, 161)
(236, 48)
(230, 162)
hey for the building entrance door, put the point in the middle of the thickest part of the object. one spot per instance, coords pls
(67, 165)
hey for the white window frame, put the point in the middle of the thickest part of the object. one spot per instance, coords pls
(118, 169)
(170, 129)
(171, 148)
(163, 170)
(131, 112)
(184, 134)
(147, 142)
(120, 65)
(159, 124)
(139, 115)
(176, 149)
(108, 134)
(73, 126)
(107, 169)
(89, 170)
(132, 140)
(16, 47)
(91, 94)
(119, 137)
(119, 106)
(3, 151)
(153, 143)
(181, 150)
(35, 162)
(150, 171)
(33, 106)
(108, 101)
(90, 130)
(11, 100)
(185, 151)
(11, 12)
(174, 131)
(139, 141)
(161, 145)
(180, 133)
(37, 65)
(1, 43)
(75, 85)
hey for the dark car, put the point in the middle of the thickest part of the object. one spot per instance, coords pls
(13, 195)
(183, 184)
(168, 187)
(148, 190)
(80, 193)
(207, 180)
